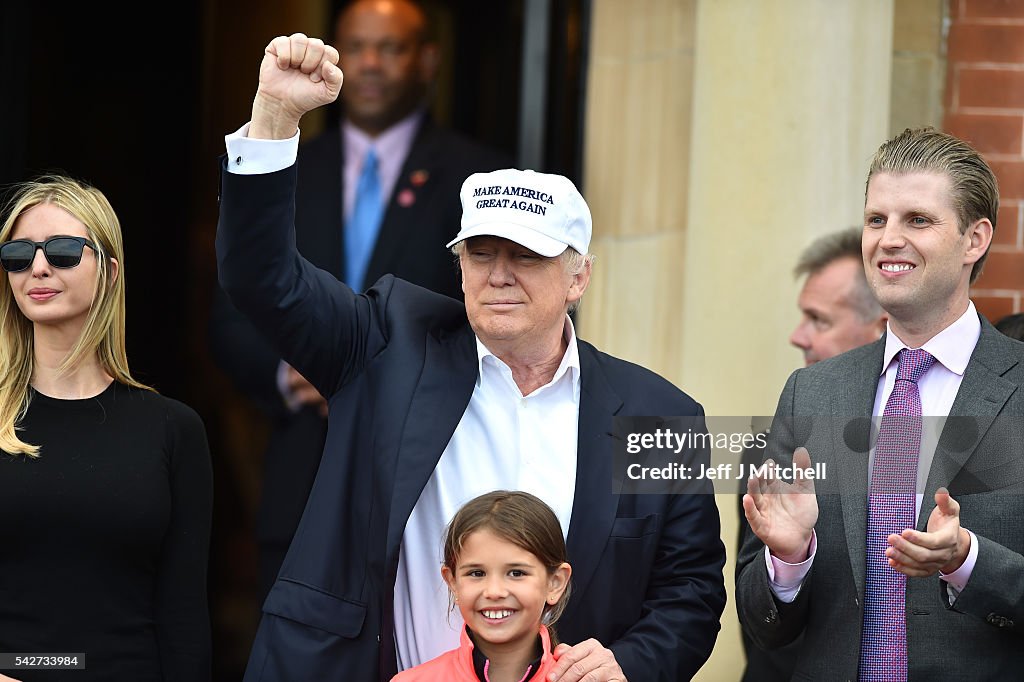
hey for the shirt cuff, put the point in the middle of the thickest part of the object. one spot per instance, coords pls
(786, 579)
(957, 580)
(248, 156)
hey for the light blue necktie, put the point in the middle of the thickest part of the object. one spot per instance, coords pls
(362, 228)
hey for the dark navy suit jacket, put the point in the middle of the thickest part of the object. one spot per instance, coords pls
(399, 364)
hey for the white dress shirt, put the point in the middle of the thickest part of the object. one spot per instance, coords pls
(505, 441)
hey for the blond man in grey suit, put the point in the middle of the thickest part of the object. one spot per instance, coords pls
(930, 212)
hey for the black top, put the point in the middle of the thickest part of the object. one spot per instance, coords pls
(480, 661)
(106, 537)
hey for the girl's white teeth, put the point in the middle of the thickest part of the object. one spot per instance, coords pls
(504, 613)
(897, 267)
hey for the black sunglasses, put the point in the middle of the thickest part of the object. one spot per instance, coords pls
(60, 252)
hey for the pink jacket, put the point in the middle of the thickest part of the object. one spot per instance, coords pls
(457, 665)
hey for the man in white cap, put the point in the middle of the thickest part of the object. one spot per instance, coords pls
(433, 402)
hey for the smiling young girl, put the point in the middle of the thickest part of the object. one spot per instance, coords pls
(505, 565)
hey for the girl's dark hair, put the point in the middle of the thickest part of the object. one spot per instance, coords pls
(517, 517)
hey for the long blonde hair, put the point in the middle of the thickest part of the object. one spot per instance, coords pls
(104, 332)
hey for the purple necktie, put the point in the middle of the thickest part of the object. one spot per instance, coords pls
(891, 502)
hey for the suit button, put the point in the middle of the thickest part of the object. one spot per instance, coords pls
(771, 617)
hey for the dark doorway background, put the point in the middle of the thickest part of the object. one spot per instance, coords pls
(139, 107)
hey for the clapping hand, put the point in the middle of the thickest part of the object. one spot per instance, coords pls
(943, 547)
(783, 514)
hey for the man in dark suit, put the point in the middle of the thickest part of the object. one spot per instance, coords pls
(390, 63)
(838, 312)
(938, 597)
(432, 401)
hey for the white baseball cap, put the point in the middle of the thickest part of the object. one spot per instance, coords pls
(541, 211)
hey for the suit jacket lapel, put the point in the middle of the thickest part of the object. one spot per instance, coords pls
(855, 399)
(438, 403)
(982, 395)
(594, 506)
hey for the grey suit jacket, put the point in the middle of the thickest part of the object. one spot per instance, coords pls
(980, 458)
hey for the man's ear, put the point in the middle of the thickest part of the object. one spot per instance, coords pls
(979, 236)
(462, 272)
(580, 282)
(430, 62)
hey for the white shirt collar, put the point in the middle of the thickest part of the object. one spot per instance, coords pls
(393, 142)
(570, 360)
(952, 347)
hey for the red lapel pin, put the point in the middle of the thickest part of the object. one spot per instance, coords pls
(406, 198)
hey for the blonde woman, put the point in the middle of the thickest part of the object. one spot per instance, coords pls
(105, 486)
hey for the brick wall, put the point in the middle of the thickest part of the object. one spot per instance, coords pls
(985, 105)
